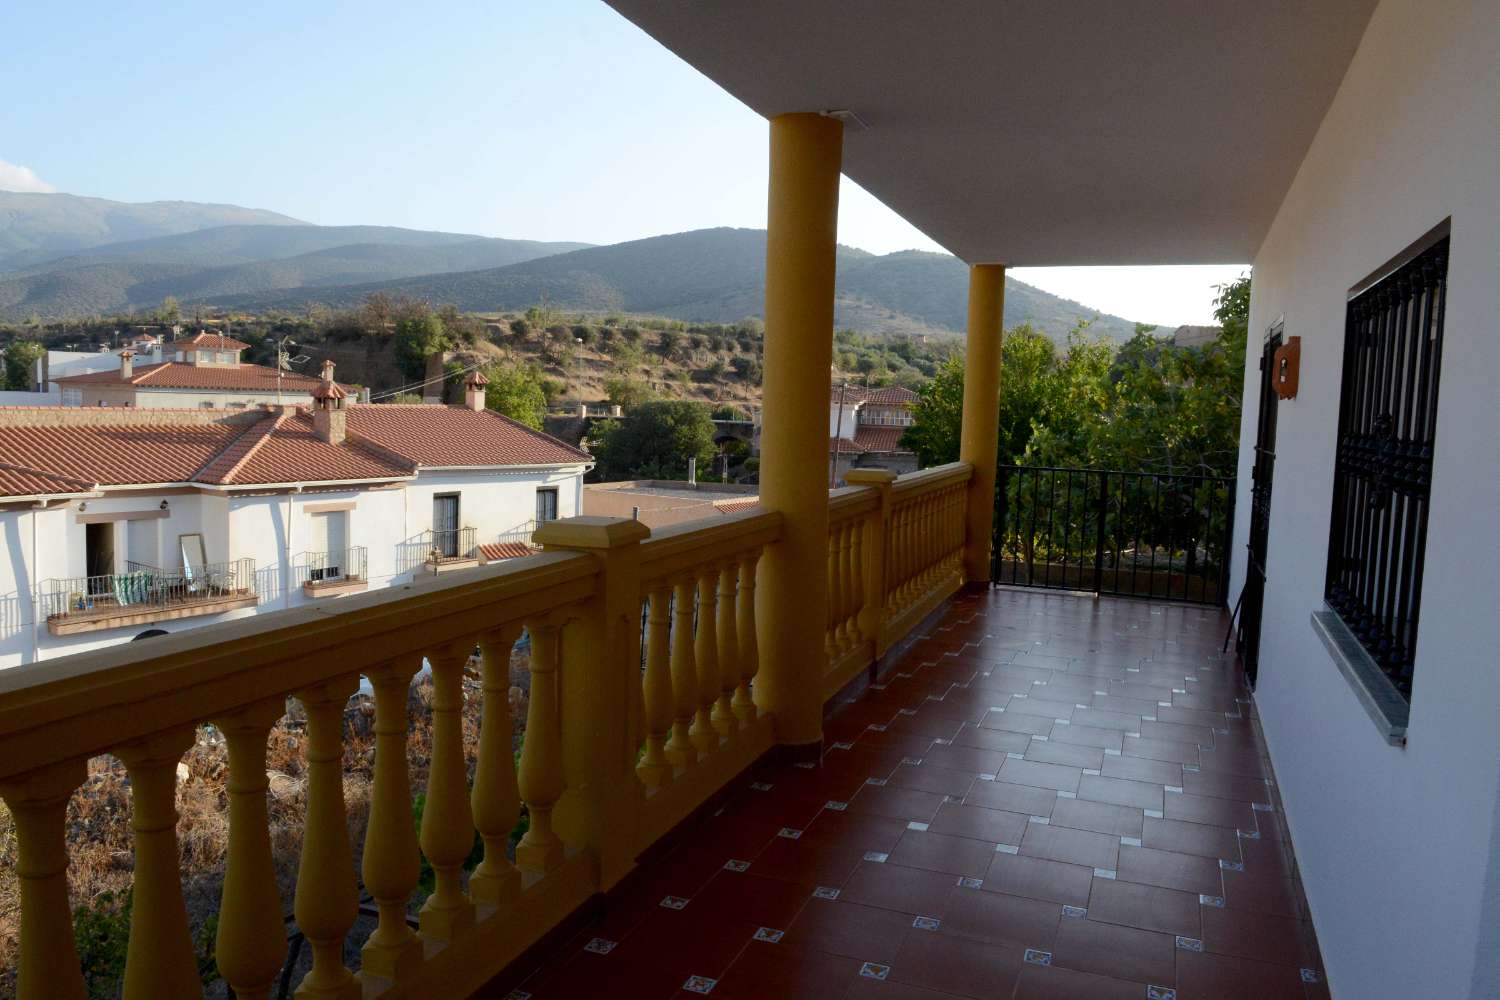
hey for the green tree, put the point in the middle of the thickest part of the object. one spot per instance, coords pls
(654, 442)
(419, 337)
(170, 312)
(627, 391)
(20, 361)
(516, 391)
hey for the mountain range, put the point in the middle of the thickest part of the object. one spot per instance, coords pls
(62, 255)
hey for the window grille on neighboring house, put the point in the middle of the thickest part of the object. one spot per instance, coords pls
(1393, 343)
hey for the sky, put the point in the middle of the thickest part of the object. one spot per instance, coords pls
(550, 121)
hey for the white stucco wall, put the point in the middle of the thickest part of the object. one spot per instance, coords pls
(181, 399)
(1398, 846)
(263, 526)
(844, 427)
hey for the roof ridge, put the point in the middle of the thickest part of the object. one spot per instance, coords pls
(261, 430)
(534, 432)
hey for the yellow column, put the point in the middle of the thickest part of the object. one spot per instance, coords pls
(447, 834)
(159, 960)
(48, 966)
(496, 798)
(981, 427)
(802, 228)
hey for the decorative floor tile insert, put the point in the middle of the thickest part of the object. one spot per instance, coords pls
(1036, 956)
(1206, 900)
(843, 746)
(700, 984)
(878, 857)
(600, 946)
(968, 882)
(825, 892)
(760, 786)
(1075, 912)
(1160, 993)
(674, 902)
(877, 782)
(835, 806)
(1104, 873)
(872, 970)
(1189, 944)
(790, 833)
(1311, 976)
(1007, 849)
(769, 934)
(925, 923)
(736, 865)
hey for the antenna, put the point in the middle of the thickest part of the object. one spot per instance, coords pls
(285, 361)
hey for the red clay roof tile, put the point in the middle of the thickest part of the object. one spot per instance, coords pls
(176, 375)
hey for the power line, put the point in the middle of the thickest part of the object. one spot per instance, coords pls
(424, 384)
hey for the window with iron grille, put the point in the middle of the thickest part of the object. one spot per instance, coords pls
(1393, 344)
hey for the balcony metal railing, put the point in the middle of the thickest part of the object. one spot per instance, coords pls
(637, 738)
(143, 593)
(520, 533)
(341, 565)
(433, 548)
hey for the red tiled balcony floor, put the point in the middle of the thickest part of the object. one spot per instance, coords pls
(1046, 797)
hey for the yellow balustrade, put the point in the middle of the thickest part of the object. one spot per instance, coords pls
(447, 833)
(496, 798)
(160, 960)
(626, 735)
(327, 901)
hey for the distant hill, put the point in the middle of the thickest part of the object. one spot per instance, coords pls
(713, 275)
(50, 223)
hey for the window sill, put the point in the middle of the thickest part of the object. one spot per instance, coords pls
(1381, 701)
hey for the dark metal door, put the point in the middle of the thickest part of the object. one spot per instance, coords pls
(1253, 600)
(445, 524)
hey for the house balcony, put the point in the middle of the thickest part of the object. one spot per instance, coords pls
(438, 551)
(326, 574)
(1011, 791)
(143, 595)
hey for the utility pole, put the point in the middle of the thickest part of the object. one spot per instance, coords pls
(838, 436)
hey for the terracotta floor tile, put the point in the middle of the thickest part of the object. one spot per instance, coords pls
(795, 861)
(865, 988)
(1226, 786)
(1206, 976)
(1191, 838)
(1268, 858)
(764, 971)
(1121, 792)
(1038, 878)
(1097, 719)
(1173, 732)
(587, 974)
(1271, 896)
(1058, 777)
(1214, 812)
(1100, 817)
(942, 853)
(908, 744)
(924, 723)
(1148, 907)
(1112, 950)
(899, 803)
(994, 826)
(1088, 736)
(1189, 716)
(1074, 690)
(1223, 760)
(1052, 982)
(1162, 750)
(1155, 772)
(866, 831)
(1077, 847)
(686, 942)
(1170, 870)
(1120, 705)
(747, 896)
(1017, 722)
(894, 887)
(1069, 754)
(1000, 917)
(965, 758)
(992, 739)
(930, 778)
(1276, 940)
(1041, 705)
(952, 964)
(1011, 797)
(837, 927)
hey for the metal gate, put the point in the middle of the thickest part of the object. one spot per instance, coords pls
(1253, 597)
(1139, 534)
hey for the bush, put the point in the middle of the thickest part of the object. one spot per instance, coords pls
(627, 391)
(655, 442)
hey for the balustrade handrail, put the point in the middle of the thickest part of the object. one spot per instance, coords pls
(933, 478)
(69, 708)
(680, 547)
(851, 501)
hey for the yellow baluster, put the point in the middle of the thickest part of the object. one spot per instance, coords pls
(251, 943)
(681, 749)
(48, 968)
(496, 798)
(856, 580)
(830, 625)
(447, 834)
(391, 866)
(749, 654)
(728, 649)
(160, 960)
(655, 767)
(541, 754)
(327, 901)
(705, 652)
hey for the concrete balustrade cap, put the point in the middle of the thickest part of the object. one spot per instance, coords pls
(590, 532)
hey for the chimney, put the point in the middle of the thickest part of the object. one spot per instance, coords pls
(474, 390)
(127, 365)
(330, 419)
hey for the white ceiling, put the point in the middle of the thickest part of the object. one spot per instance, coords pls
(1045, 132)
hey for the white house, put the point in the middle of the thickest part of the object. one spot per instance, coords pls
(865, 428)
(203, 371)
(115, 521)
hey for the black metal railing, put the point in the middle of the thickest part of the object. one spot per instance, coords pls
(1141, 534)
(1393, 344)
(337, 566)
(432, 548)
(145, 588)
